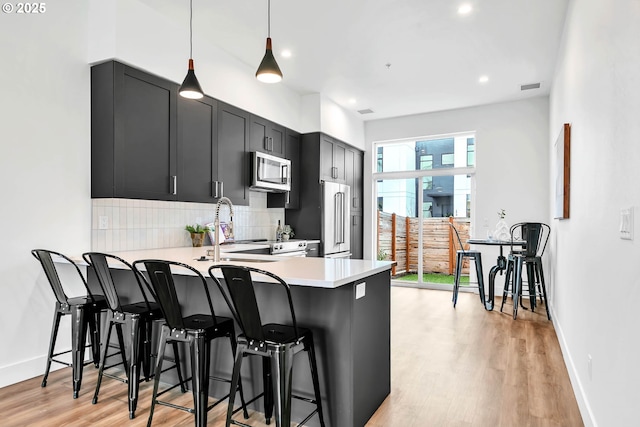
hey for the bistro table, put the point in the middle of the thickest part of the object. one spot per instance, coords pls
(501, 264)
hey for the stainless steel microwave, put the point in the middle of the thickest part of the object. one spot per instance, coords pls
(270, 173)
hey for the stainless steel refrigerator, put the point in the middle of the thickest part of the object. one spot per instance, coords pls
(336, 228)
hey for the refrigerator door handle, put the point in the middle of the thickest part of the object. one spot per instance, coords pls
(336, 217)
(341, 217)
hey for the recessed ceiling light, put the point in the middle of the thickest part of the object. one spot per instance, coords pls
(352, 100)
(483, 79)
(286, 53)
(464, 9)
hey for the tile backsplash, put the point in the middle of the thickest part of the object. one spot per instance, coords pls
(126, 224)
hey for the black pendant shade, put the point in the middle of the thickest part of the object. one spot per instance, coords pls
(268, 71)
(190, 87)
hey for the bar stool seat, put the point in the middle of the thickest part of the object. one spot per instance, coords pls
(85, 313)
(276, 343)
(138, 317)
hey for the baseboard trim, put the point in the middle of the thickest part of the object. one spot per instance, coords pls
(27, 369)
(578, 390)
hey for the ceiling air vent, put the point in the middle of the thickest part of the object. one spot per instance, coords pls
(530, 86)
(365, 111)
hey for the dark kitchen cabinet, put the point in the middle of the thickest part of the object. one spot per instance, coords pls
(356, 235)
(198, 149)
(332, 160)
(233, 161)
(354, 164)
(290, 199)
(267, 137)
(306, 220)
(133, 134)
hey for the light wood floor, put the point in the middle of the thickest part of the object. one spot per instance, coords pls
(449, 367)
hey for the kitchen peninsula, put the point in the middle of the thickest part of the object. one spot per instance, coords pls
(345, 302)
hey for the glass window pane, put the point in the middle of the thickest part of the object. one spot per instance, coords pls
(409, 155)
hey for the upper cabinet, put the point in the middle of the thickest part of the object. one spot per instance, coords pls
(198, 149)
(354, 170)
(289, 199)
(133, 134)
(149, 143)
(267, 137)
(233, 162)
(332, 160)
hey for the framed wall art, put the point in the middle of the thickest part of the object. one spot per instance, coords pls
(562, 173)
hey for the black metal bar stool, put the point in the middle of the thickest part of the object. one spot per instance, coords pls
(197, 331)
(461, 254)
(138, 317)
(84, 310)
(536, 236)
(277, 344)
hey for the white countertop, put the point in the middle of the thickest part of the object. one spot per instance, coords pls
(296, 271)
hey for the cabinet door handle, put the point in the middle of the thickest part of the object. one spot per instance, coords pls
(221, 188)
(266, 143)
(334, 172)
(355, 202)
(355, 220)
(271, 139)
(216, 185)
(288, 197)
(175, 185)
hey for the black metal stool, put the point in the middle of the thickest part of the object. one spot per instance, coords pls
(461, 254)
(84, 310)
(277, 344)
(197, 330)
(536, 234)
(137, 316)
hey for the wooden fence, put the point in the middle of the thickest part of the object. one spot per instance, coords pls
(398, 241)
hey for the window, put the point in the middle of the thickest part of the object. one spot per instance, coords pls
(427, 209)
(380, 203)
(447, 159)
(427, 183)
(426, 161)
(471, 152)
(380, 159)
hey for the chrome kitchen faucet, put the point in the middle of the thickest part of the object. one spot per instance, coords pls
(216, 225)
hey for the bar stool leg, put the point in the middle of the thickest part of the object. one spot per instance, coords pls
(311, 351)
(133, 375)
(52, 342)
(234, 349)
(200, 377)
(456, 281)
(103, 357)
(78, 338)
(235, 378)
(507, 283)
(281, 367)
(517, 285)
(544, 288)
(477, 259)
(164, 335)
(267, 383)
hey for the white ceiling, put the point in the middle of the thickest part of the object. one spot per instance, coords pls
(340, 48)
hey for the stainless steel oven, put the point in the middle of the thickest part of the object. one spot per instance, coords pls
(292, 248)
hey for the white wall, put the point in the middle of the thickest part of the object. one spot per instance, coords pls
(597, 292)
(45, 171)
(512, 159)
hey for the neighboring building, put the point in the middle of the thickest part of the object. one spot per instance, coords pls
(442, 195)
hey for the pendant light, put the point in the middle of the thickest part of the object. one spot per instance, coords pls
(268, 71)
(190, 87)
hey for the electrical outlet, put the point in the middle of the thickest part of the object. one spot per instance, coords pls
(103, 222)
(589, 366)
(626, 223)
